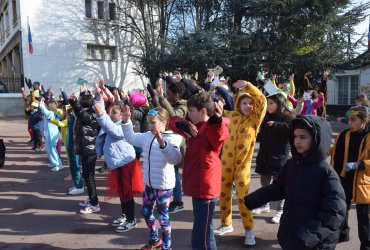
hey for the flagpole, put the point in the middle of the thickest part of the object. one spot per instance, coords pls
(28, 58)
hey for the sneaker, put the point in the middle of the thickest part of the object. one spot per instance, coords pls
(249, 238)
(90, 209)
(40, 148)
(84, 203)
(221, 230)
(176, 206)
(119, 221)
(76, 190)
(57, 168)
(69, 189)
(152, 244)
(51, 166)
(276, 218)
(127, 226)
(260, 210)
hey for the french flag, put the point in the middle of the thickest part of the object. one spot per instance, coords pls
(30, 46)
(368, 36)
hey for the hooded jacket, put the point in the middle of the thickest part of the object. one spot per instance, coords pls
(315, 204)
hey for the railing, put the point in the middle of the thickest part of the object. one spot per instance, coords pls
(13, 84)
(7, 31)
(15, 21)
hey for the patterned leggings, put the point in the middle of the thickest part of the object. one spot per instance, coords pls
(162, 199)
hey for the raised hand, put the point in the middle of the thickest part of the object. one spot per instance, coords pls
(99, 109)
(126, 113)
(158, 136)
(159, 91)
(240, 84)
(218, 108)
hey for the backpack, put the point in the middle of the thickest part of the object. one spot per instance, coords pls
(2, 153)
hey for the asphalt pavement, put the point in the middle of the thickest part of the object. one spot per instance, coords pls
(36, 213)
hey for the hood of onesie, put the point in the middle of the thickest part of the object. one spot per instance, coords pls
(322, 135)
(240, 96)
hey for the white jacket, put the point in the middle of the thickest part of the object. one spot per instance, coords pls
(158, 169)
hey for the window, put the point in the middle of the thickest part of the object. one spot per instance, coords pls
(100, 10)
(347, 89)
(112, 11)
(88, 8)
(101, 52)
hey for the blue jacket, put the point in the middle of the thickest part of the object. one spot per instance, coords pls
(112, 144)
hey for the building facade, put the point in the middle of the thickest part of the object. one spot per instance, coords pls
(71, 40)
(351, 80)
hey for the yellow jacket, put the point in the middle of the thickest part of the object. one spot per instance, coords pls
(238, 149)
(361, 182)
(64, 128)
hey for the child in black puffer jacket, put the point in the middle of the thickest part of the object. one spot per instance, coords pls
(315, 204)
(85, 132)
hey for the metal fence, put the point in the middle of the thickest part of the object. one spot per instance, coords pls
(13, 84)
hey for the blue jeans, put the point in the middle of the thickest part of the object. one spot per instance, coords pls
(202, 237)
(74, 165)
(177, 191)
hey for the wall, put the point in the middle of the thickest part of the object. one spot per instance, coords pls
(60, 33)
(11, 105)
(364, 83)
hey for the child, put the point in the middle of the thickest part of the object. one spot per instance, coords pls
(51, 139)
(314, 205)
(201, 176)
(313, 101)
(85, 132)
(274, 146)
(352, 161)
(125, 176)
(361, 100)
(161, 148)
(175, 106)
(250, 107)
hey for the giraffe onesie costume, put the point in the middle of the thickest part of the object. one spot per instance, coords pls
(237, 154)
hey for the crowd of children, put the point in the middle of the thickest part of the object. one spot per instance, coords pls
(209, 135)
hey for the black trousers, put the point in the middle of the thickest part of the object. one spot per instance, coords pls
(363, 213)
(363, 223)
(88, 174)
(37, 137)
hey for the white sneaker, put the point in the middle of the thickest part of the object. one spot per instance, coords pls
(90, 209)
(57, 168)
(127, 226)
(221, 230)
(249, 238)
(76, 190)
(69, 189)
(276, 218)
(119, 221)
(260, 210)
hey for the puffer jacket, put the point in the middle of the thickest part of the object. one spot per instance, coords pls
(274, 144)
(85, 129)
(158, 167)
(315, 204)
(112, 144)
